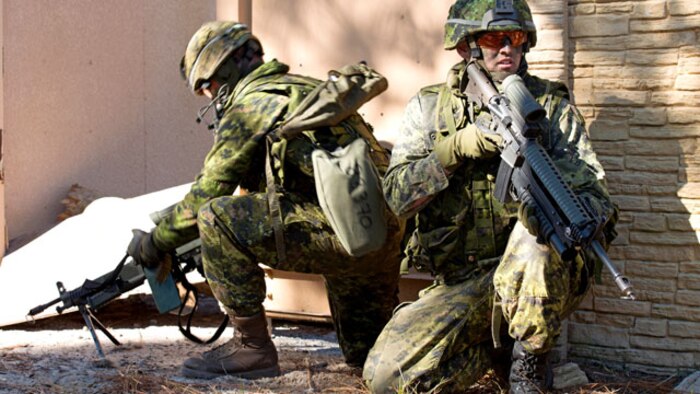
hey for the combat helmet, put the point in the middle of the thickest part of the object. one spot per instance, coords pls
(209, 49)
(468, 18)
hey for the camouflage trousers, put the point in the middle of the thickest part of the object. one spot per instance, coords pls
(443, 341)
(236, 235)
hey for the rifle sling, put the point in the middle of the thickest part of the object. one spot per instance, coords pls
(187, 330)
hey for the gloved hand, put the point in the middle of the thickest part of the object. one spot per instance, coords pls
(143, 250)
(146, 253)
(528, 217)
(467, 143)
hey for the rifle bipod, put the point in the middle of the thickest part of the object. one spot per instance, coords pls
(90, 322)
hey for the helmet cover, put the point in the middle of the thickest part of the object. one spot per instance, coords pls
(209, 48)
(471, 17)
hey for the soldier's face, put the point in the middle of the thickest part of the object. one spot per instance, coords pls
(502, 51)
(505, 59)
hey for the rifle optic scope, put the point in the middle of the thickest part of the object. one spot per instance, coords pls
(522, 100)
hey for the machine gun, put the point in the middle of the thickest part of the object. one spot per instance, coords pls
(94, 294)
(527, 174)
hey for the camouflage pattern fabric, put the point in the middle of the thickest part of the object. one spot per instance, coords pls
(234, 152)
(466, 17)
(236, 235)
(536, 289)
(236, 232)
(209, 47)
(441, 342)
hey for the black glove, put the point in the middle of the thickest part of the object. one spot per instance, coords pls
(143, 250)
(146, 253)
(528, 217)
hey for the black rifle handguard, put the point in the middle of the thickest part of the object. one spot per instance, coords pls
(529, 175)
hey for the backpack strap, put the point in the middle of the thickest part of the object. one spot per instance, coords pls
(273, 203)
(445, 105)
(328, 104)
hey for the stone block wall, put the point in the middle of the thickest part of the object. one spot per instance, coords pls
(549, 57)
(634, 67)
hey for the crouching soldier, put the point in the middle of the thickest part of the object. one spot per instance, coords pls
(249, 97)
(483, 253)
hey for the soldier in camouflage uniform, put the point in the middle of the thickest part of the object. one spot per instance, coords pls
(224, 62)
(483, 254)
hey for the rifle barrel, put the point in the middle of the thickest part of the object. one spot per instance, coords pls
(620, 280)
(41, 308)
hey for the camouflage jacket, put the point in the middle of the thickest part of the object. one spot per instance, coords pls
(256, 105)
(458, 220)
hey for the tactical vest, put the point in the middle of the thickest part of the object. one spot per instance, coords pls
(464, 224)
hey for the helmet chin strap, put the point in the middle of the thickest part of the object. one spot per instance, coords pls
(475, 50)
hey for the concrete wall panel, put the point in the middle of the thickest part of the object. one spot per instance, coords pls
(93, 95)
(3, 228)
(399, 38)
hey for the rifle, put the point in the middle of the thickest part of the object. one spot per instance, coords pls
(527, 174)
(126, 276)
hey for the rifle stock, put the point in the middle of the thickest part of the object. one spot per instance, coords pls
(527, 174)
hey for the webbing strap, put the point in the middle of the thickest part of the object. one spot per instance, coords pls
(274, 207)
(187, 330)
(445, 105)
(496, 319)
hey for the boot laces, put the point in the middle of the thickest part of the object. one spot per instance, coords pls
(225, 349)
(529, 366)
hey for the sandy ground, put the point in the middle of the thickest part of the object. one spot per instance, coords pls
(148, 360)
(57, 355)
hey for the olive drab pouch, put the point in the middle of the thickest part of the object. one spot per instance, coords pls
(335, 99)
(347, 182)
(349, 192)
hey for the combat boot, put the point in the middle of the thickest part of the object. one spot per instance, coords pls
(250, 354)
(529, 373)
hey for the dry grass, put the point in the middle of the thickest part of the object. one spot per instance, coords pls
(303, 371)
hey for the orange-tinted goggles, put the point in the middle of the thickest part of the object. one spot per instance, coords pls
(497, 39)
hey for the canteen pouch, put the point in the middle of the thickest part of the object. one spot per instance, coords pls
(350, 194)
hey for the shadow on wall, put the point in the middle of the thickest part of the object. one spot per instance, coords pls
(651, 169)
(401, 41)
(112, 115)
(647, 168)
